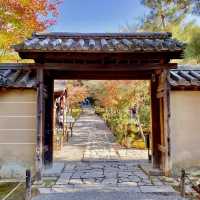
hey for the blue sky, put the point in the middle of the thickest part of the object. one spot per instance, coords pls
(97, 15)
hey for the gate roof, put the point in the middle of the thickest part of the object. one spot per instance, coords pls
(139, 42)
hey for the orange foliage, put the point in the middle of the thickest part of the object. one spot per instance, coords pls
(76, 94)
(115, 92)
(19, 18)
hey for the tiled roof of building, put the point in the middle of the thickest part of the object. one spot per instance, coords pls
(101, 42)
(186, 78)
(17, 78)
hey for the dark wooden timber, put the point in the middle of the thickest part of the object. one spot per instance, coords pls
(167, 115)
(185, 88)
(40, 124)
(28, 185)
(48, 134)
(164, 105)
(89, 67)
(155, 112)
(63, 57)
(121, 75)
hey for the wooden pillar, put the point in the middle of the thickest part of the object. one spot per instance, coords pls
(167, 114)
(155, 118)
(48, 134)
(163, 92)
(39, 124)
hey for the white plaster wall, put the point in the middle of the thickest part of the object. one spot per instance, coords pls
(17, 132)
(185, 129)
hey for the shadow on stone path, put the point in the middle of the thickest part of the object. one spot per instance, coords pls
(95, 167)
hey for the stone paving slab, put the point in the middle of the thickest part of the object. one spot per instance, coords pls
(64, 178)
(55, 170)
(96, 165)
(45, 190)
(157, 189)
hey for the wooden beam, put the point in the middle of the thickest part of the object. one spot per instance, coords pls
(106, 67)
(100, 75)
(55, 55)
(185, 88)
(88, 67)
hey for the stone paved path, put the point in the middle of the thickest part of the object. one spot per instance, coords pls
(98, 168)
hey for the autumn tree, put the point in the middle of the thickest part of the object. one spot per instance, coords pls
(76, 93)
(115, 98)
(20, 18)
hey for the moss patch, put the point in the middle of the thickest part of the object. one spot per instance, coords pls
(5, 188)
(18, 194)
(49, 183)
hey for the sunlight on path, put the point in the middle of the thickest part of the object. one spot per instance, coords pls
(93, 141)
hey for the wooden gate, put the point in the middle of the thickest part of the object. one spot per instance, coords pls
(117, 56)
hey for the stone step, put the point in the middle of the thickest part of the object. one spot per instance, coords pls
(54, 171)
(106, 195)
(150, 171)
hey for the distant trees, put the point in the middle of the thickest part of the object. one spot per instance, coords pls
(193, 49)
(114, 99)
(76, 93)
(173, 16)
(164, 12)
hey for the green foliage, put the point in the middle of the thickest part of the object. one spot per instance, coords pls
(170, 16)
(164, 12)
(76, 113)
(192, 50)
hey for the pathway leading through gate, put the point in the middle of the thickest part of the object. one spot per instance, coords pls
(98, 168)
(93, 141)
